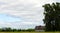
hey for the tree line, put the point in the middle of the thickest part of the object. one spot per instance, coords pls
(16, 30)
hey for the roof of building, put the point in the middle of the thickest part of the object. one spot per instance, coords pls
(39, 27)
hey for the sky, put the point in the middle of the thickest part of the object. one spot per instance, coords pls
(22, 14)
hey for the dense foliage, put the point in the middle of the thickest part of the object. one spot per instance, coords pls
(52, 16)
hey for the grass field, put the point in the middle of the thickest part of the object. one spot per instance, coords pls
(29, 32)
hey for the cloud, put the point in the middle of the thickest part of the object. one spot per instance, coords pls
(30, 11)
(21, 25)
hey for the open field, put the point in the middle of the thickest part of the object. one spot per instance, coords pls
(29, 32)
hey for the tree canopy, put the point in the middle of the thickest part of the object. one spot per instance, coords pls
(52, 16)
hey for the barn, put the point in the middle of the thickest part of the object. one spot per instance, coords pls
(39, 28)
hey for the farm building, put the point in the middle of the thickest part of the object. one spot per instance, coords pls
(39, 28)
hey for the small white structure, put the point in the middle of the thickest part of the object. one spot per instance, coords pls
(39, 28)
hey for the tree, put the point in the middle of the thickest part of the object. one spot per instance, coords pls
(31, 30)
(52, 16)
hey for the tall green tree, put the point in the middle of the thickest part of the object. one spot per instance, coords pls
(52, 16)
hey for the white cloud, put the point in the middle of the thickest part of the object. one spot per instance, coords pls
(17, 25)
(30, 10)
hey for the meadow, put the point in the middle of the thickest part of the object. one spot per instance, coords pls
(29, 32)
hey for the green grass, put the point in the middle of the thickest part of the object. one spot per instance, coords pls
(29, 32)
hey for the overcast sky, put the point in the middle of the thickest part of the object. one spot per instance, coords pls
(22, 13)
